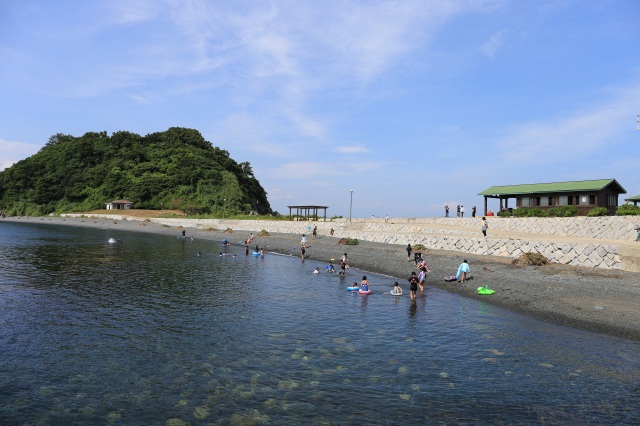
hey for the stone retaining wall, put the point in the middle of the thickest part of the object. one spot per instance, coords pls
(605, 227)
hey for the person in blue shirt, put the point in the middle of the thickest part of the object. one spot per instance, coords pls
(463, 271)
(330, 267)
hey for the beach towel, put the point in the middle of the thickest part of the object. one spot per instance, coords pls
(464, 267)
(450, 278)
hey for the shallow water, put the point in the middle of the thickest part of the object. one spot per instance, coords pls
(146, 332)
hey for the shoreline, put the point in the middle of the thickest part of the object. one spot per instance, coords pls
(600, 301)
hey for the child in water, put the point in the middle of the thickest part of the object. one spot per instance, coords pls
(330, 267)
(316, 271)
(396, 289)
(364, 285)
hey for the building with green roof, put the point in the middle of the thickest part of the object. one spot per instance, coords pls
(584, 194)
(635, 200)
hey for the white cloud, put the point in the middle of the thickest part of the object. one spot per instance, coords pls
(309, 169)
(494, 43)
(14, 151)
(581, 134)
(354, 149)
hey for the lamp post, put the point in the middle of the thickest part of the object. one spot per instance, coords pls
(350, 203)
(224, 207)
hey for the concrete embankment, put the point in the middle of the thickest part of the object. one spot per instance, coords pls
(598, 242)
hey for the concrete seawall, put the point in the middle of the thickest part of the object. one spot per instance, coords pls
(598, 242)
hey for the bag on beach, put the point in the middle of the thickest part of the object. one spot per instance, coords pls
(450, 278)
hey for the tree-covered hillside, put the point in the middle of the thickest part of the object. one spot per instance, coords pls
(175, 169)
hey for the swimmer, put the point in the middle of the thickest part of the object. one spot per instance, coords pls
(316, 271)
(396, 289)
(364, 285)
(330, 267)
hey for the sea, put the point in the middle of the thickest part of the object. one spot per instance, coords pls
(159, 330)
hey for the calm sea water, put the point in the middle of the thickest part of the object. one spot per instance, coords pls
(146, 332)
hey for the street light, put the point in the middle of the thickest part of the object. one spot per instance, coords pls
(224, 207)
(350, 203)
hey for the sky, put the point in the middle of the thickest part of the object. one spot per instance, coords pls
(409, 104)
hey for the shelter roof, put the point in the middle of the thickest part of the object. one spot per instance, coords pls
(634, 198)
(308, 207)
(537, 188)
(121, 202)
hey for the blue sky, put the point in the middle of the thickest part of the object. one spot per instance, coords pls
(410, 104)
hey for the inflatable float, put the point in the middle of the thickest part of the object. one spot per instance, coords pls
(395, 294)
(361, 291)
(353, 288)
(485, 290)
(112, 241)
(256, 253)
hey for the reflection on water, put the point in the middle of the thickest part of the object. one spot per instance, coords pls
(146, 332)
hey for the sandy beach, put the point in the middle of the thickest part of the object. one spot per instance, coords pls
(596, 300)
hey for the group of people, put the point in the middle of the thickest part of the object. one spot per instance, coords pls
(459, 211)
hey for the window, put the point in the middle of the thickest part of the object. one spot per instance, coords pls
(612, 200)
(592, 199)
(563, 200)
(544, 201)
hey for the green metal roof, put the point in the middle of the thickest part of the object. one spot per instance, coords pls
(537, 188)
(634, 198)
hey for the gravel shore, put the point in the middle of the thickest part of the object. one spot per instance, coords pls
(596, 300)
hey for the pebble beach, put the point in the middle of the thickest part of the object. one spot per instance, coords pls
(601, 301)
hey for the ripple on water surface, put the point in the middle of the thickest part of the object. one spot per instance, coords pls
(145, 331)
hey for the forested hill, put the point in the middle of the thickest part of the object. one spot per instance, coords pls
(175, 169)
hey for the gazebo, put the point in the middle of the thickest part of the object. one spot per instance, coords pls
(307, 211)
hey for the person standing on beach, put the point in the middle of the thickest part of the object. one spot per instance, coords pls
(461, 211)
(413, 285)
(315, 231)
(485, 226)
(303, 241)
(446, 210)
(458, 210)
(409, 250)
(473, 211)
(463, 272)
(183, 233)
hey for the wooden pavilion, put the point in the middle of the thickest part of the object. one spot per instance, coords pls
(584, 194)
(306, 211)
